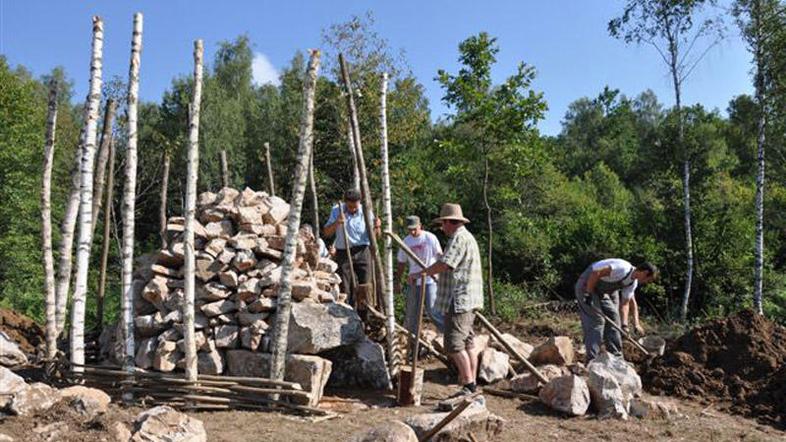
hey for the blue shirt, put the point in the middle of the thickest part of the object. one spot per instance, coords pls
(356, 227)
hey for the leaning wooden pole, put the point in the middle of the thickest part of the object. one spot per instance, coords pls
(129, 197)
(314, 199)
(46, 224)
(101, 161)
(271, 184)
(386, 203)
(281, 329)
(364, 188)
(108, 208)
(88, 151)
(224, 168)
(163, 196)
(189, 335)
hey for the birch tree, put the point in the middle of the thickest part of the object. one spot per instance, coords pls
(386, 203)
(670, 27)
(88, 151)
(103, 158)
(46, 223)
(162, 218)
(108, 207)
(281, 329)
(189, 336)
(129, 196)
(270, 182)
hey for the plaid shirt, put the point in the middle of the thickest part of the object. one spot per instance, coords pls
(461, 287)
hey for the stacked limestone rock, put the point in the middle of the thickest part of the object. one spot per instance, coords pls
(239, 242)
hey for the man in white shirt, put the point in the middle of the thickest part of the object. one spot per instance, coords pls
(598, 290)
(426, 246)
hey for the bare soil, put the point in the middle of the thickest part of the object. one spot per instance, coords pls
(22, 330)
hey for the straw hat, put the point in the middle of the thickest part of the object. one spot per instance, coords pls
(451, 211)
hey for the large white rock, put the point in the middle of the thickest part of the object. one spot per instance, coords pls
(492, 365)
(522, 348)
(568, 394)
(10, 384)
(391, 431)
(165, 424)
(612, 384)
(314, 328)
(558, 350)
(528, 383)
(475, 419)
(311, 372)
(36, 397)
(86, 401)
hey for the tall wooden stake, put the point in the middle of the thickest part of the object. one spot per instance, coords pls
(271, 185)
(353, 156)
(108, 208)
(162, 218)
(46, 224)
(77, 340)
(189, 336)
(281, 329)
(386, 203)
(314, 199)
(364, 188)
(129, 197)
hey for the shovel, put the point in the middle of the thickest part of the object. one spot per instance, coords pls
(624, 334)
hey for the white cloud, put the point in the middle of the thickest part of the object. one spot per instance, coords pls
(263, 71)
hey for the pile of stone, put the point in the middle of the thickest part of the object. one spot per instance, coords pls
(239, 242)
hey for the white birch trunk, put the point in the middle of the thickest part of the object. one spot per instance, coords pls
(46, 224)
(189, 336)
(281, 329)
(761, 101)
(224, 169)
(101, 161)
(77, 340)
(386, 204)
(353, 155)
(162, 218)
(110, 188)
(129, 196)
(270, 182)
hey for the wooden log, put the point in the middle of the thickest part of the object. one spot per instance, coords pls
(108, 209)
(270, 182)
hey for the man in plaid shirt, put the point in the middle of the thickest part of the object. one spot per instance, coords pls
(459, 293)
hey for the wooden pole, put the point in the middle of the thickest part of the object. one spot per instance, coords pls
(270, 182)
(162, 218)
(224, 168)
(427, 345)
(314, 199)
(416, 343)
(347, 248)
(46, 224)
(129, 195)
(498, 336)
(88, 151)
(364, 188)
(386, 202)
(108, 208)
(353, 155)
(189, 335)
(103, 158)
(449, 418)
(281, 330)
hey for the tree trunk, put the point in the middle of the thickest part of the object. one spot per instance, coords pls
(129, 198)
(353, 155)
(271, 184)
(189, 335)
(281, 329)
(224, 169)
(46, 224)
(162, 218)
(490, 227)
(86, 199)
(386, 203)
(364, 188)
(314, 198)
(108, 208)
(103, 157)
(761, 101)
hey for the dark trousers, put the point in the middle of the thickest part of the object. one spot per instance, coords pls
(361, 260)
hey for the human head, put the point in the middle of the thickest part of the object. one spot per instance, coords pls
(414, 226)
(646, 273)
(449, 226)
(451, 218)
(352, 199)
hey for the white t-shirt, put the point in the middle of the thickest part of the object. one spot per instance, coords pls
(426, 247)
(619, 269)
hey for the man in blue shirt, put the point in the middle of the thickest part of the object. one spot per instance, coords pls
(351, 214)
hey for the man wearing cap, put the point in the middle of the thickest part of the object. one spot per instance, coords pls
(351, 214)
(459, 293)
(426, 247)
(598, 294)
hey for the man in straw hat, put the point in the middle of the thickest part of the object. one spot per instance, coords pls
(459, 293)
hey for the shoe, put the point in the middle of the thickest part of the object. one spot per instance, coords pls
(453, 401)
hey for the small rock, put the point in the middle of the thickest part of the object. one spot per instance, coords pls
(557, 350)
(568, 394)
(218, 308)
(226, 336)
(120, 432)
(653, 408)
(475, 419)
(164, 424)
(492, 365)
(528, 383)
(392, 431)
(87, 401)
(36, 397)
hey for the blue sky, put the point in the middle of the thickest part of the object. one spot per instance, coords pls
(565, 40)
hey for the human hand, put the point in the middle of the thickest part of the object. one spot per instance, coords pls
(639, 329)
(377, 223)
